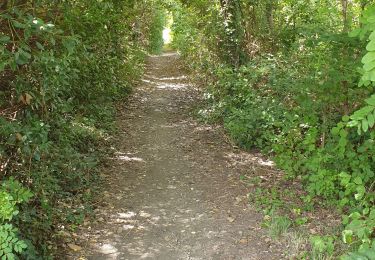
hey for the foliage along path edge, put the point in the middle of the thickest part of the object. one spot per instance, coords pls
(172, 189)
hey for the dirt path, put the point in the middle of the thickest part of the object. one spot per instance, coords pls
(173, 190)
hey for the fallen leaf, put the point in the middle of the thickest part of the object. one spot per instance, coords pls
(74, 247)
(19, 137)
(230, 219)
(25, 99)
(238, 201)
(28, 98)
(243, 241)
(64, 234)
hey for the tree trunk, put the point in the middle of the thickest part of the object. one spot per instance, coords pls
(344, 10)
(269, 15)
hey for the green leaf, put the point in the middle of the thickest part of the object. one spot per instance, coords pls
(357, 180)
(369, 66)
(354, 256)
(37, 156)
(371, 100)
(4, 38)
(19, 25)
(22, 57)
(371, 46)
(372, 215)
(11, 256)
(345, 118)
(370, 56)
(371, 18)
(335, 131)
(355, 215)
(345, 219)
(371, 120)
(362, 113)
(355, 33)
(343, 133)
(7, 250)
(361, 190)
(344, 202)
(347, 236)
(370, 254)
(345, 178)
(69, 44)
(371, 75)
(40, 46)
(352, 123)
(364, 125)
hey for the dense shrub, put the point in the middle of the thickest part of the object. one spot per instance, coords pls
(62, 65)
(292, 92)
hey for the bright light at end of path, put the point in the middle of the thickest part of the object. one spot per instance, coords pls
(167, 35)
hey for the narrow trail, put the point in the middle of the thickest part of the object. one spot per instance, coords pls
(173, 189)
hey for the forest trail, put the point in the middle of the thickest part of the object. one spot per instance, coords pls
(173, 190)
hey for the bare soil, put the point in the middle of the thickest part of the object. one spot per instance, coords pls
(173, 190)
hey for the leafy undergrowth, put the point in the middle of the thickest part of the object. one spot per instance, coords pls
(327, 184)
(301, 94)
(63, 65)
(309, 228)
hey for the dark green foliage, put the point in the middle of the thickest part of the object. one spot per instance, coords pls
(296, 95)
(362, 254)
(62, 65)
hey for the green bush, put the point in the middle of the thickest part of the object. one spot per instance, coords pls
(62, 65)
(296, 95)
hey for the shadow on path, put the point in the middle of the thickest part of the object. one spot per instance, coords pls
(172, 189)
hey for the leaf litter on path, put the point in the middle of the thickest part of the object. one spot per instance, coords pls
(171, 192)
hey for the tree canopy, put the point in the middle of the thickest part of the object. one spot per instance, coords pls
(292, 78)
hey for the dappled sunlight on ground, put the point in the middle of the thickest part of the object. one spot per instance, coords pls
(146, 81)
(173, 83)
(109, 251)
(204, 128)
(163, 78)
(171, 125)
(171, 86)
(155, 220)
(128, 157)
(165, 54)
(172, 187)
(243, 158)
